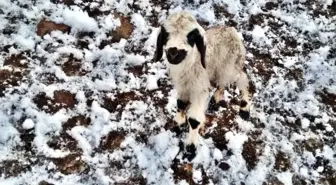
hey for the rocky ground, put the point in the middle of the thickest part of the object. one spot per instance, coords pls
(82, 101)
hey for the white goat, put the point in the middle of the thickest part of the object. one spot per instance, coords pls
(197, 59)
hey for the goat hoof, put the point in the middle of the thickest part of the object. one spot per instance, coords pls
(190, 153)
(243, 103)
(234, 101)
(222, 103)
(179, 129)
(213, 106)
(244, 114)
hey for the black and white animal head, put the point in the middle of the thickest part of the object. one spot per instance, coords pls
(180, 37)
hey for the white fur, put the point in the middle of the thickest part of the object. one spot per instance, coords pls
(225, 55)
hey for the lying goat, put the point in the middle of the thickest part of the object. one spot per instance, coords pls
(197, 59)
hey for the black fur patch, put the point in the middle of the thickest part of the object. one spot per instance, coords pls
(190, 153)
(193, 123)
(181, 105)
(194, 37)
(222, 103)
(244, 114)
(175, 56)
(213, 106)
(178, 130)
(234, 101)
(160, 42)
(243, 103)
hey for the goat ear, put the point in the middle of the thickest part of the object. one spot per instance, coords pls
(201, 48)
(160, 42)
(194, 37)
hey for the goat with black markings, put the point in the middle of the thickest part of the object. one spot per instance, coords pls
(197, 59)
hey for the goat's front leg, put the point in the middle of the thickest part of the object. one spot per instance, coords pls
(196, 117)
(196, 120)
(180, 114)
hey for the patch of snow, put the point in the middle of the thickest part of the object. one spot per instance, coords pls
(217, 154)
(28, 124)
(110, 23)
(258, 34)
(285, 178)
(105, 85)
(151, 82)
(236, 141)
(233, 6)
(290, 61)
(134, 59)
(197, 176)
(76, 18)
(304, 171)
(140, 23)
(305, 123)
(80, 134)
(320, 169)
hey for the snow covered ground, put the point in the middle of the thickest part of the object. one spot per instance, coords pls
(82, 102)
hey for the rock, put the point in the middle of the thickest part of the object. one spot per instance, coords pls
(62, 99)
(75, 121)
(65, 98)
(224, 166)
(45, 27)
(123, 31)
(44, 183)
(70, 164)
(16, 61)
(73, 67)
(112, 141)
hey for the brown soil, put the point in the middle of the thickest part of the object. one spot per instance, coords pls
(62, 99)
(70, 164)
(45, 27)
(112, 141)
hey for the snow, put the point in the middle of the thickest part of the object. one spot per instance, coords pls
(110, 22)
(259, 36)
(28, 124)
(135, 60)
(290, 60)
(217, 154)
(151, 82)
(305, 123)
(80, 133)
(304, 172)
(75, 18)
(285, 178)
(235, 141)
(320, 169)
(107, 84)
(197, 176)
(233, 6)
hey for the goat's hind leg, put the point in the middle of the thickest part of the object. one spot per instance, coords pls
(218, 99)
(245, 103)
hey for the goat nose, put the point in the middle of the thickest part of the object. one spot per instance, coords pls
(172, 52)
